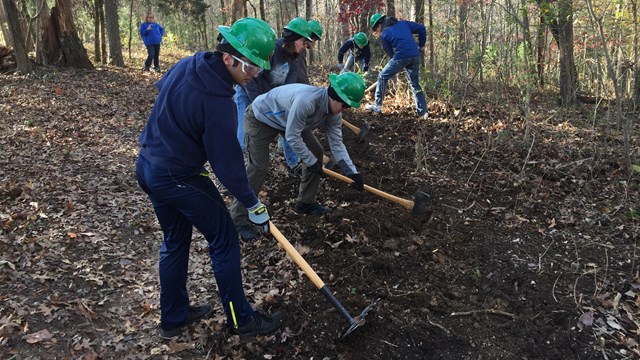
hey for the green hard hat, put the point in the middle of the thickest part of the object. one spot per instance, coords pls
(374, 19)
(316, 28)
(300, 26)
(361, 39)
(349, 86)
(253, 38)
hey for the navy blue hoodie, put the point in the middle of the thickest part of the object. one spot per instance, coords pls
(358, 53)
(195, 119)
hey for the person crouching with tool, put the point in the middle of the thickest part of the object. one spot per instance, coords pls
(295, 110)
(194, 120)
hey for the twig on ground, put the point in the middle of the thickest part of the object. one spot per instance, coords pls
(553, 289)
(533, 140)
(460, 210)
(382, 341)
(543, 254)
(438, 326)
(488, 311)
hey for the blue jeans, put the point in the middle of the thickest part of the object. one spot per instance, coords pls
(153, 54)
(412, 67)
(242, 101)
(289, 154)
(182, 198)
(351, 60)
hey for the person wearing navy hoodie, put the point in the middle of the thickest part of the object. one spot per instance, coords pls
(359, 52)
(152, 33)
(398, 42)
(194, 120)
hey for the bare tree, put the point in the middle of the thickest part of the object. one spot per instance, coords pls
(22, 60)
(562, 28)
(391, 8)
(113, 32)
(3, 27)
(237, 10)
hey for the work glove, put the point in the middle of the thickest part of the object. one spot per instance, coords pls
(259, 215)
(339, 66)
(317, 168)
(357, 183)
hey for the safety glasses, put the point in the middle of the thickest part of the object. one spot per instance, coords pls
(248, 68)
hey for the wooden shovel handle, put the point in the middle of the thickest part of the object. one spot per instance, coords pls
(353, 128)
(408, 204)
(295, 255)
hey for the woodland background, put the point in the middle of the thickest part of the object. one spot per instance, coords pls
(531, 155)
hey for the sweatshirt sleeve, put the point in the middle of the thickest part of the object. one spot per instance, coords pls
(366, 56)
(143, 30)
(161, 30)
(225, 155)
(343, 50)
(336, 145)
(300, 110)
(417, 28)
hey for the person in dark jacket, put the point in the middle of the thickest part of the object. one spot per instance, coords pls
(359, 52)
(194, 120)
(398, 42)
(152, 33)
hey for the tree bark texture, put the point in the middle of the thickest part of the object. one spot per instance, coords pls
(17, 37)
(568, 73)
(237, 10)
(3, 27)
(61, 44)
(96, 31)
(113, 32)
(419, 9)
(391, 8)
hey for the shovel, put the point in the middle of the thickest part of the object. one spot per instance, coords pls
(418, 206)
(354, 322)
(361, 131)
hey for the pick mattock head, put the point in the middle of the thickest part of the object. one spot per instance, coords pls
(420, 203)
(364, 130)
(359, 320)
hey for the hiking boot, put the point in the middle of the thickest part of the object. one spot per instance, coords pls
(259, 324)
(195, 313)
(145, 69)
(246, 232)
(373, 108)
(296, 170)
(311, 209)
(156, 69)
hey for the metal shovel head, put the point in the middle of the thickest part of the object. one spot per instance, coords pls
(420, 203)
(359, 320)
(364, 130)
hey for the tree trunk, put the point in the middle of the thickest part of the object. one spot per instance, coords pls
(262, 11)
(461, 51)
(45, 18)
(568, 73)
(131, 27)
(540, 42)
(113, 32)
(391, 8)
(308, 12)
(636, 56)
(223, 12)
(237, 9)
(3, 27)
(96, 30)
(419, 10)
(432, 61)
(61, 44)
(17, 37)
(103, 33)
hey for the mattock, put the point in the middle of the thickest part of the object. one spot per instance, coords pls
(354, 322)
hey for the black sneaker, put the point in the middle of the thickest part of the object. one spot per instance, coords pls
(156, 69)
(195, 313)
(311, 209)
(260, 324)
(246, 232)
(145, 69)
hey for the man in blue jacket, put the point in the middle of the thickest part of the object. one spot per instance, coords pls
(152, 33)
(398, 42)
(194, 120)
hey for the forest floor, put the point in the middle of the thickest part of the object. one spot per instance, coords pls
(527, 249)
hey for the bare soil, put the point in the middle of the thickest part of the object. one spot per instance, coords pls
(527, 249)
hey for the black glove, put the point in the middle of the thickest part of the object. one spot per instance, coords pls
(357, 183)
(317, 168)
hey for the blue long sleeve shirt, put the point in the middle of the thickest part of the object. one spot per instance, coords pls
(195, 119)
(151, 36)
(397, 38)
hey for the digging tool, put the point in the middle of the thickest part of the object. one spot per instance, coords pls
(361, 131)
(354, 322)
(372, 87)
(417, 206)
